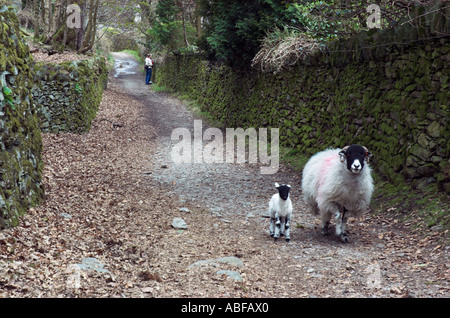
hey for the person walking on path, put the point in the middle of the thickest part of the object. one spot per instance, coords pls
(148, 69)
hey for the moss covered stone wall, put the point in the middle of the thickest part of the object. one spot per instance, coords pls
(387, 90)
(68, 94)
(20, 138)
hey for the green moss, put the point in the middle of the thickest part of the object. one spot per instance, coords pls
(71, 92)
(21, 143)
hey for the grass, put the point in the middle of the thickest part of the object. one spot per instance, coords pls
(158, 89)
(135, 54)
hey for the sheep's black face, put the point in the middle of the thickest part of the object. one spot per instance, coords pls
(355, 156)
(283, 190)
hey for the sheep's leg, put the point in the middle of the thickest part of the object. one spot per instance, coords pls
(325, 223)
(277, 227)
(344, 237)
(341, 222)
(338, 219)
(288, 229)
(282, 226)
(272, 226)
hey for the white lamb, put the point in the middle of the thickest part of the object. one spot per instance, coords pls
(280, 212)
(338, 182)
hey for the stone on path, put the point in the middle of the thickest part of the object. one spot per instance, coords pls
(91, 263)
(179, 223)
(232, 274)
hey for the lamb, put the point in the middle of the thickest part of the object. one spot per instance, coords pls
(338, 182)
(280, 212)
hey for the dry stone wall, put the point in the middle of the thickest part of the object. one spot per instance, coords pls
(34, 97)
(388, 90)
(20, 137)
(68, 94)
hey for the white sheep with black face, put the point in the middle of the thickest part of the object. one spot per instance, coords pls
(338, 182)
(280, 212)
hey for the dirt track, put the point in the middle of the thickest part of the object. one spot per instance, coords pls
(122, 191)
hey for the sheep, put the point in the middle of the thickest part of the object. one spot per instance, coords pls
(338, 182)
(280, 212)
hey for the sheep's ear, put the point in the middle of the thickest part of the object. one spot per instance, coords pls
(367, 156)
(288, 185)
(277, 185)
(342, 154)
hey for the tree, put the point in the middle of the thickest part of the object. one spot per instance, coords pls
(49, 20)
(234, 29)
(171, 28)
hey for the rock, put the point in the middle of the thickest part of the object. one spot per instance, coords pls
(66, 216)
(179, 223)
(427, 170)
(420, 152)
(434, 129)
(91, 263)
(422, 140)
(232, 274)
(436, 159)
(185, 210)
(147, 290)
(231, 260)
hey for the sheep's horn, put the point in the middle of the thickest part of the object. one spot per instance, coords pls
(368, 154)
(342, 153)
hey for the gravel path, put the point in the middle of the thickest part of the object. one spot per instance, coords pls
(236, 197)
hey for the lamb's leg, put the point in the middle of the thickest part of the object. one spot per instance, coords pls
(282, 226)
(272, 226)
(287, 227)
(325, 222)
(277, 227)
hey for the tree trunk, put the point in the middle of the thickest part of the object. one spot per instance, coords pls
(198, 19)
(36, 18)
(91, 29)
(80, 32)
(55, 22)
(183, 16)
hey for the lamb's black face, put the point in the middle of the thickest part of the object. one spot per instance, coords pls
(283, 190)
(355, 156)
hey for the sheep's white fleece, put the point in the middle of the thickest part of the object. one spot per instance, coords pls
(279, 206)
(327, 185)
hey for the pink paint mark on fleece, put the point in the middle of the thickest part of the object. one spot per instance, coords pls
(325, 168)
